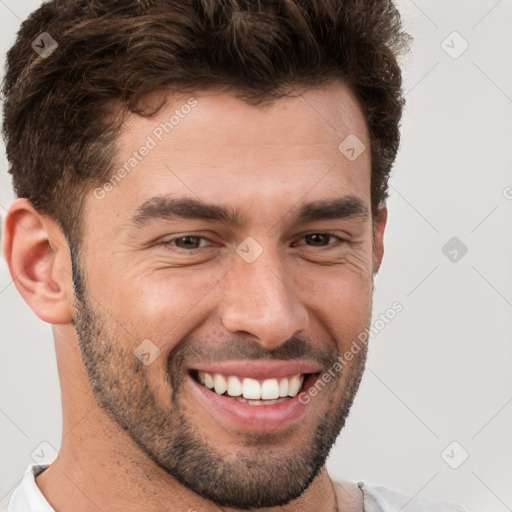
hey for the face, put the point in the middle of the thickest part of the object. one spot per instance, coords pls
(219, 278)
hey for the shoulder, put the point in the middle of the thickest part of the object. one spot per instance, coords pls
(381, 499)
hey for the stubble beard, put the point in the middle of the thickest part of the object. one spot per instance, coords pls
(255, 475)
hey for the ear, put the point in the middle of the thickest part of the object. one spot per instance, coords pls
(379, 225)
(38, 257)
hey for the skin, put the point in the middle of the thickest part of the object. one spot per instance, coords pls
(263, 162)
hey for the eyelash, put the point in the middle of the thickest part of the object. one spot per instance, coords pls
(172, 240)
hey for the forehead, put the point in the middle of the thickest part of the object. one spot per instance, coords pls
(214, 147)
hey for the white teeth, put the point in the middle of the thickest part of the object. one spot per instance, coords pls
(251, 389)
(294, 386)
(260, 402)
(269, 389)
(234, 386)
(283, 387)
(208, 381)
(220, 384)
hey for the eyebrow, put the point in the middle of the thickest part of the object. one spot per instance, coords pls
(169, 207)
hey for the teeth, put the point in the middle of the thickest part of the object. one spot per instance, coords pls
(208, 380)
(270, 389)
(253, 390)
(295, 385)
(283, 387)
(260, 402)
(234, 386)
(220, 384)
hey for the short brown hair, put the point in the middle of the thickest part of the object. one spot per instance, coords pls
(59, 131)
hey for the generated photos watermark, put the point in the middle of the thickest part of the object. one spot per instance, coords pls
(356, 346)
(151, 142)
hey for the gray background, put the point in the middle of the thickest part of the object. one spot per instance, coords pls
(440, 372)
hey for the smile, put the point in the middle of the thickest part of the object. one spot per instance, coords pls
(253, 391)
(254, 396)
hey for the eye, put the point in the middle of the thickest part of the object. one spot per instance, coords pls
(186, 242)
(320, 239)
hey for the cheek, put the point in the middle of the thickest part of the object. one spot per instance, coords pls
(340, 299)
(344, 290)
(165, 305)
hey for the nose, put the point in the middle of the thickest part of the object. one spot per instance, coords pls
(261, 300)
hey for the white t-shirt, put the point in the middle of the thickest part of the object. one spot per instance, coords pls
(28, 498)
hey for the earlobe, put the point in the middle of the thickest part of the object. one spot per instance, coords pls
(379, 225)
(36, 252)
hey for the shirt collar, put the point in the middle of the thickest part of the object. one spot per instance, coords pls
(27, 497)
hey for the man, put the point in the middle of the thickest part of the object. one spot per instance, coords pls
(201, 209)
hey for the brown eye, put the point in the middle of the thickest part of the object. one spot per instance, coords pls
(316, 239)
(320, 239)
(186, 242)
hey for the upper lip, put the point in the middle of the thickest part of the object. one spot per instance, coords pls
(258, 369)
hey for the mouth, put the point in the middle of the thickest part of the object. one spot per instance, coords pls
(252, 391)
(257, 399)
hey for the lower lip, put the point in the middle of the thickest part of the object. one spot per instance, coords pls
(253, 417)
